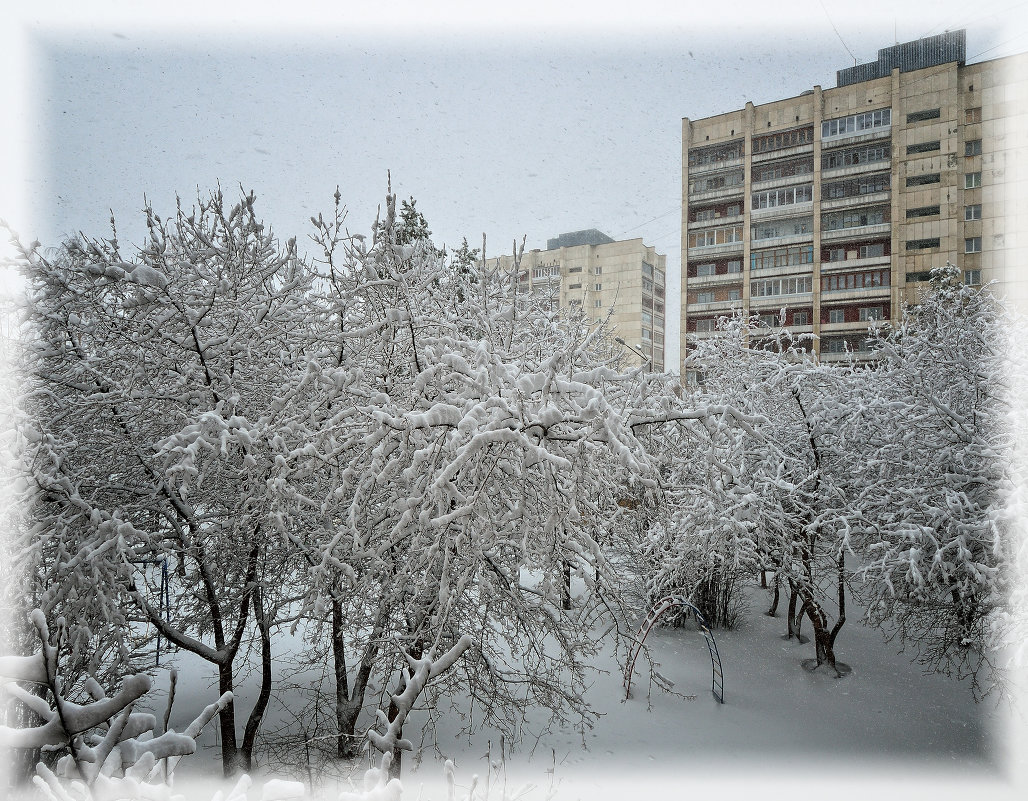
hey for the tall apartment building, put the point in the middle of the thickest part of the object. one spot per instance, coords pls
(590, 270)
(834, 205)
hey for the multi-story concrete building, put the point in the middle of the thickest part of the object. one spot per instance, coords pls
(590, 270)
(829, 208)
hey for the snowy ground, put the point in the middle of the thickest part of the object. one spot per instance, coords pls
(885, 728)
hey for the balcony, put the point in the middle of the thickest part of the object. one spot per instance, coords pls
(711, 251)
(778, 301)
(713, 166)
(785, 180)
(777, 211)
(865, 293)
(714, 280)
(714, 222)
(725, 306)
(833, 203)
(855, 264)
(856, 232)
(785, 152)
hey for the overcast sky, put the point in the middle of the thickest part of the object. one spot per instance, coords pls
(530, 121)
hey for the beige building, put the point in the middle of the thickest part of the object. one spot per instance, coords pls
(826, 210)
(590, 270)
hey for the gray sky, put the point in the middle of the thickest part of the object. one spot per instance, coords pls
(529, 121)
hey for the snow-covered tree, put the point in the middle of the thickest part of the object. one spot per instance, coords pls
(939, 556)
(468, 463)
(149, 380)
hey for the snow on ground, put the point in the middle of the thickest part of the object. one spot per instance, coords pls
(886, 727)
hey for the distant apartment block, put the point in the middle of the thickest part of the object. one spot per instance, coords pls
(825, 211)
(590, 270)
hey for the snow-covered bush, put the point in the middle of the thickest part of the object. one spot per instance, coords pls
(106, 749)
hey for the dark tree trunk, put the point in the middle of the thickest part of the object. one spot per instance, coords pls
(773, 609)
(253, 723)
(790, 613)
(227, 724)
(350, 698)
(565, 587)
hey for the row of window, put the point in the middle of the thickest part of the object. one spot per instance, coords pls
(869, 251)
(788, 285)
(715, 153)
(733, 266)
(772, 229)
(783, 139)
(709, 183)
(781, 257)
(782, 169)
(847, 281)
(782, 197)
(854, 218)
(851, 187)
(714, 212)
(852, 156)
(866, 121)
(716, 236)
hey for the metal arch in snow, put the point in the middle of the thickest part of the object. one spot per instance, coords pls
(717, 683)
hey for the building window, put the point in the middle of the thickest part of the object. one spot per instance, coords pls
(801, 318)
(574, 269)
(836, 315)
(850, 187)
(715, 153)
(705, 297)
(923, 180)
(866, 121)
(705, 325)
(734, 266)
(599, 287)
(646, 334)
(778, 141)
(973, 244)
(923, 147)
(647, 269)
(864, 154)
(574, 286)
(781, 257)
(597, 271)
(973, 115)
(973, 212)
(924, 211)
(922, 244)
(598, 303)
(715, 236)
(721, 180)
(972, 277)
(734, 210)
(704, 270)
(768, 320)
(781, 286)
(773, 229)
(973, 148)
(921, 116)
(972, 180)
(782, 197)
(854, 218)
(872, 279)
(872, 251)
(735, 294)
(868, 313)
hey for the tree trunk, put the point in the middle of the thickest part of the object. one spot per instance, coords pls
(565, 588)
(227, 724)
(773, 610)
(790, 613)
(344, 726)
(253, 722)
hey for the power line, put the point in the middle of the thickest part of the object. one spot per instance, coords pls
(647, 222)
(837, 32)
